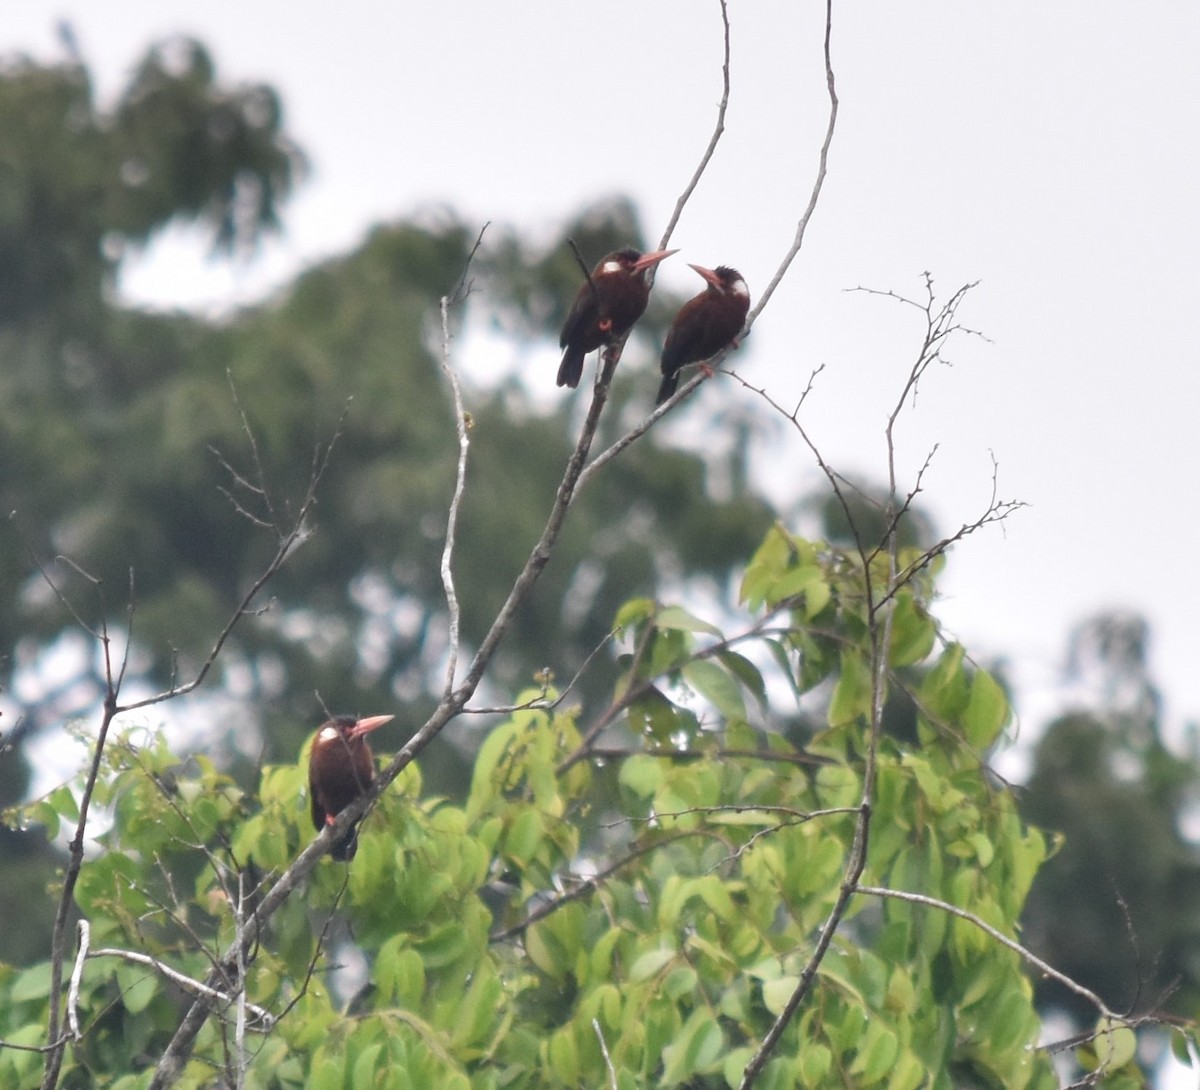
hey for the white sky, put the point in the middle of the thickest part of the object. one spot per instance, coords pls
(1051, 151)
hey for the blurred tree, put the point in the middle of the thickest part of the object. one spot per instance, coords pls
(1116, 907)
(125, 452)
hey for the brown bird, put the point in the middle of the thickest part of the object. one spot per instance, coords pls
(340, 769)
(606, 312)
(704, 325)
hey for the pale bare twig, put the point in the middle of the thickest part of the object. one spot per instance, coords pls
(84, 931)
(111, 707)
(179, 1048)
(608, 1064)
(264, 1017)
(818, 183)
(1027, 955)
(718, 130)
(587, 885)
(460, 478)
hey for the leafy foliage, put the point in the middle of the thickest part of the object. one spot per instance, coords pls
(505, 946)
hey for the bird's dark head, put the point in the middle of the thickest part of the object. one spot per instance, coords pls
(350, 726)
(630, 260)
(723, 279)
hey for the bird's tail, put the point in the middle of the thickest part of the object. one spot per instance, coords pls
(669, 384)
(343, 851)
(570, 371)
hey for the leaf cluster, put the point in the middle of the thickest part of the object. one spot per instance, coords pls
(551, 930)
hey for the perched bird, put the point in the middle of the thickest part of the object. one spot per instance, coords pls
(704, 325)
(606, 311)
(340, 769)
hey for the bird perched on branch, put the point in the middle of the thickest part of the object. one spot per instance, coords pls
(704, 325)
(340, 769)
(605, 308)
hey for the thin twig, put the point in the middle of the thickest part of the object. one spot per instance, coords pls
(460, 477)
(718, 130)
(179, 1048)
(612, 1071)
(289, 542)
(587, 885)
(84, 931)
(818, 184)
(1027, 955)
(265, 1018)
(586, 271)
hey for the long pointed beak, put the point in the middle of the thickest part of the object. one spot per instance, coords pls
(365, 726)
(708, 274)
(647, 261)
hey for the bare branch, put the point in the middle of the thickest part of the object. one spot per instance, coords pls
(818, 183)
(586, 271)
(460, 479)
(718, 130)
(1027, 955)
(265, 1018)
(85, 934)
(587, 885)
(289, 541)
(612, 1071)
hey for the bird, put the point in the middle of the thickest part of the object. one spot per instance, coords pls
(704, 325)
(605, 308)
(340, 769)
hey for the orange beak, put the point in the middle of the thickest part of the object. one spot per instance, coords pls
(365, 726)
(647, 261)
(708, 274)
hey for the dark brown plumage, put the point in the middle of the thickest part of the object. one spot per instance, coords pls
(340, 769)
(606, 313)
(704, 325)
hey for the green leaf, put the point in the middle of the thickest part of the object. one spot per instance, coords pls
(138, 986)
(815, 1062)
(327, 1075)
(852, 694)
(564, 1056)
(913, 632)
(643, 775)
(696, 1050)
(525, 836)
(907, 1073)
(364, 1066)
(735, 1065)
(777, 992)
(877, 1053)
(649, 964)
(987, 710)
(1115, 1044)
(944, 690)
(654, 715)
(747, 674)
(31, 983)
(635, 611)
(678, 618)
(716, 686)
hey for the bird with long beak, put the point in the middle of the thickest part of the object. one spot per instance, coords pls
(606, 308)
(704, 325)
(340, 769)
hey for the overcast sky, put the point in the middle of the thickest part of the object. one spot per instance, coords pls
(1049, 151)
